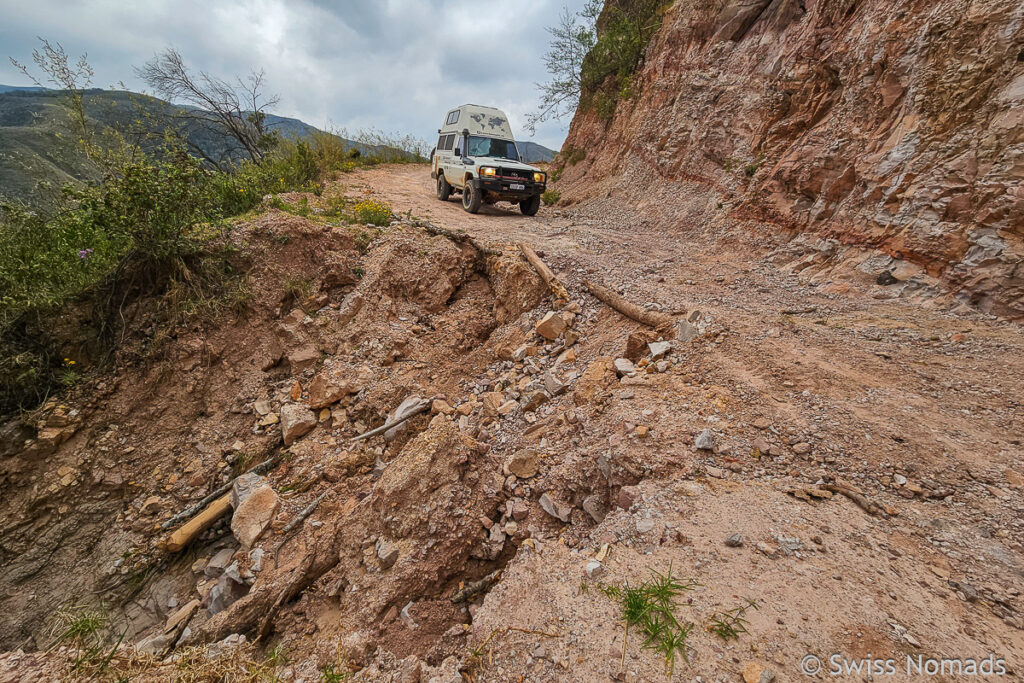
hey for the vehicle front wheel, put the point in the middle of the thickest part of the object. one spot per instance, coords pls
(444, 190)
(471, 197)
(529, 206)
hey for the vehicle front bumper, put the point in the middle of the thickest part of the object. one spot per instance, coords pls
(502, 187)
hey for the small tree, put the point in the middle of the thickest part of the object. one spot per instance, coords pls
(571, 40)
(70, 79)
(237, 109)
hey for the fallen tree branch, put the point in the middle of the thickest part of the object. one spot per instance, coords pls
(198, 524)
(471, 590)
(630, 310)
(423, 407)
(868, 506)
(556, 287)
(460, 237)
(306, 512)
(193, 509)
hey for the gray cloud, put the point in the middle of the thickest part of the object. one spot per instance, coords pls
(394, 65)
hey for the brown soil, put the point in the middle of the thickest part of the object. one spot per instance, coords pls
(803, 369)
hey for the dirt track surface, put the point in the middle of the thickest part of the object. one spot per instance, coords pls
(801, 368)
(922, 391)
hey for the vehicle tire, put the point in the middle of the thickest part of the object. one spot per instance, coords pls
(471, 197)
(529, 206)
(444, 190)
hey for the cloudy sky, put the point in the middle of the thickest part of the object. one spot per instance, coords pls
(394, 65)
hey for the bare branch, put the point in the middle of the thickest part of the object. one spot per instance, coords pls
(236, 110)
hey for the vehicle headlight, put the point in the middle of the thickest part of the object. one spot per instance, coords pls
(538, 177)
(488, 171)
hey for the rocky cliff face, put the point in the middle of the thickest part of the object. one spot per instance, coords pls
(896, 124)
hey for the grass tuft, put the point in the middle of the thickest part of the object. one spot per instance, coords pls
(728, 625)
(650, 606)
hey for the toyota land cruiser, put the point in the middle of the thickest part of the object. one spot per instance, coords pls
(477, 156)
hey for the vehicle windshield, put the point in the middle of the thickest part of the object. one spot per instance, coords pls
(492, 147)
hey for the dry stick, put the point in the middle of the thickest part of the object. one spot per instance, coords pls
(306, 512)
(860, 499)
(556, 287)
(422, 408)
(475, 588)
(630, 310)
(459, 236)
(193, 509)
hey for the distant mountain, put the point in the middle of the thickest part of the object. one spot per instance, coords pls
(532, 152)
(23, 88)
(39, 154)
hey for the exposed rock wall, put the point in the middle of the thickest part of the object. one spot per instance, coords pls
(897, 124)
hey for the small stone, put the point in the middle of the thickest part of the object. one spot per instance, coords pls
(492, 401)
(734, 541)
(387, 553)
(705, 441)
(645, 525)
(624, 366)
(627, 497)
(685, 331)
(762, 423)
(642, 430)
(243, 487)
(296, 421)
(594, 569)
(555, 508)
(151, 506)
(520, 510)
(552, 384)
(550, 326)
(802, 448)
(442, 407)
(524, 464)
(659, 349)
(295, 393)
(592, 506)
(303, 357)
(262, 407)
(899, 479)
(220, 560)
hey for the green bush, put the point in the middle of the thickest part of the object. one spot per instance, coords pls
(373, 212)
(550, 197)
(623, 33)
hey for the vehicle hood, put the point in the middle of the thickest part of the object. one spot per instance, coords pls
(504, 163)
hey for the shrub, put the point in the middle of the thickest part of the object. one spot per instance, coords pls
(607, 70)
(373, 212)
(550, 197)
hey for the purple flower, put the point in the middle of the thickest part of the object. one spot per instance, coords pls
(84, 253)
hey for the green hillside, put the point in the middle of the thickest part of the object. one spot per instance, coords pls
(38, 150)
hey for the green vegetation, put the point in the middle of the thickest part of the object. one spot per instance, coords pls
(138, 218)
(550, 197)
(728, 625)
(373, 212)
(607, 71)
(331, 674)
(650, 607)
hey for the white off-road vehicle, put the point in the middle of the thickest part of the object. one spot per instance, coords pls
(477, 156)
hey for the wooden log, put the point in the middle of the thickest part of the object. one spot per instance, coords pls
(549, 278)
(630, 310)
(198, 524)
(193, 509)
